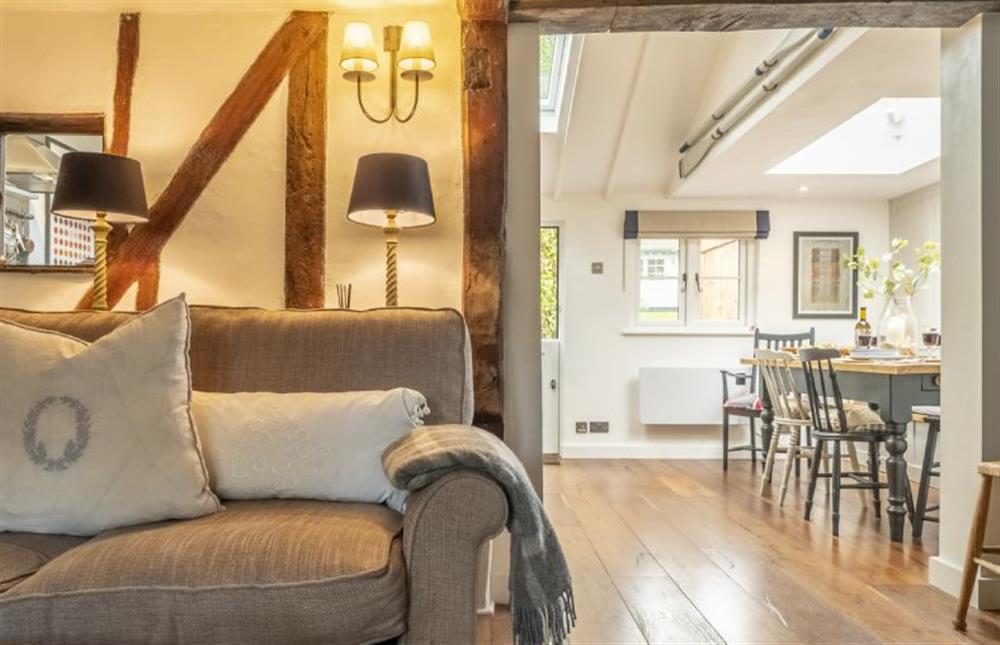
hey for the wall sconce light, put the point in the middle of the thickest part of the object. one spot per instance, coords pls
(410, 50)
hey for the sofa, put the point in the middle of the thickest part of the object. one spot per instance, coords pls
(276, 571)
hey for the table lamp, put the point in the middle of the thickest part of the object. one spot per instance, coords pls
(104, 188)
(391, 191)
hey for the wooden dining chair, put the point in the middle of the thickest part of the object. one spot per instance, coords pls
(746, 404)
(922, 511)
(791, 416)
(836, 423)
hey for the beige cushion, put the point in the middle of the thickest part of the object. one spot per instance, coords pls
(305, 445)
(859, 414)
(98, 436)
(257, 350)
(271, 571)
(22, 554)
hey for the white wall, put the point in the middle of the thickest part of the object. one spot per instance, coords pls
(916, 216)
(522, 361)
(970, 202)
(600, 365)
(229, 250)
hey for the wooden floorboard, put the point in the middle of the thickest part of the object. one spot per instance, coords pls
(680, 552)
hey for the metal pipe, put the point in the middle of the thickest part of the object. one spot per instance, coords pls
(696, 153)
(760, 71)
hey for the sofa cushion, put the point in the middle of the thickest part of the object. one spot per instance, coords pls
(265, 571)
(99, 436)
(323, 350)
(22, 554)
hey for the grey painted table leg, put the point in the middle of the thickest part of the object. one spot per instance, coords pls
(895, 468)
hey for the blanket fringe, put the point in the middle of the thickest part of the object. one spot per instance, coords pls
(544, 625)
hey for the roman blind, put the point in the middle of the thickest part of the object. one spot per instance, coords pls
(696, 224)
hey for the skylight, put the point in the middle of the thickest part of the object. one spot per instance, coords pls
(889, 137)
(553, 60)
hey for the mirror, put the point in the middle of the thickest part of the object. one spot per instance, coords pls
(34, 238)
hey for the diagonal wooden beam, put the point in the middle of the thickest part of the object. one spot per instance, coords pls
(305, 181)
(128, 60)
(211, 150)
(484, 111)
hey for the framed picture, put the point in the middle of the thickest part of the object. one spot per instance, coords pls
(822, 286)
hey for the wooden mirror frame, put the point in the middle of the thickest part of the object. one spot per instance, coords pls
(45, 123)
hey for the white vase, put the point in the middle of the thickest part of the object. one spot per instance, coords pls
(897, 327)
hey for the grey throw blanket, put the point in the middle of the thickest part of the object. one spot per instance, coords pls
(541, 592)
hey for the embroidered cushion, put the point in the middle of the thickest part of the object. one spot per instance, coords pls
(98, 436)
(859, 414)
(305, 445)
(749, 401)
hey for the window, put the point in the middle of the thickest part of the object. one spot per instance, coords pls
(692, 282)
(553, 59)
(550, 281)
(659, 281)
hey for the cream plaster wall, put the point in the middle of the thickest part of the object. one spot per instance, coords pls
(230, 248)
(916, 216)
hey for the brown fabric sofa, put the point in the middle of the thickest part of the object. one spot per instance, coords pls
(276, 571)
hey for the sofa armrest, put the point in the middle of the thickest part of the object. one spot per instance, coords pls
(443, 528)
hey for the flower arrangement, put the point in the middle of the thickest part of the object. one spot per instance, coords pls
(889, 275)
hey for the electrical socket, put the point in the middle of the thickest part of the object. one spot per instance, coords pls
(581, 427)
(599, 426)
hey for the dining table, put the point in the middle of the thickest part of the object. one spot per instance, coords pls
(893, 387)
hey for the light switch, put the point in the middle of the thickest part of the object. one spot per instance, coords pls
(597, 268)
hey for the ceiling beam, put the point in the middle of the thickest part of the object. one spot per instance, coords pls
(585, 16)
(572, 75)
(624, 127)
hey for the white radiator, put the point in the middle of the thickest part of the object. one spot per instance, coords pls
(683, 395)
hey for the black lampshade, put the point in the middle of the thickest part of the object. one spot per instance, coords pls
(387, 181)
(93, 182)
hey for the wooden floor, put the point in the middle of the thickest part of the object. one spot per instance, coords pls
(678, 552)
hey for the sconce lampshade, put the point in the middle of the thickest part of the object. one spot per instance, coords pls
(93, 182)
(394, 182)
(358, 51)
(416, 50)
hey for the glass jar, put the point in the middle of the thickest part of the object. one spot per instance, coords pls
(897, 327)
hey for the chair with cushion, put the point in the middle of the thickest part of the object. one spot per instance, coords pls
(740, 391)
(791, 417)
(835, 422)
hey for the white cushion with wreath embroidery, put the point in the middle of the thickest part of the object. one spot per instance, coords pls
(97, 436)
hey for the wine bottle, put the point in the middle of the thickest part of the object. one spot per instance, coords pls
(863, 330)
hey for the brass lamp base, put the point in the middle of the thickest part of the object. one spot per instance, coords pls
(101, 229)
(391, 243)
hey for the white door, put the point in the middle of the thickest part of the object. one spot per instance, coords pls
(550, 398)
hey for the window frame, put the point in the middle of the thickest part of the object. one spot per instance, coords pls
(688, 317)
(550, 107)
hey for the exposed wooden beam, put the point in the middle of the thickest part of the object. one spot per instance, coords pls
(211, 150)
(583, 16)
(49, 122)
(305, 181)
(623, 130)
(573, 76)
(484, 111)
(148, 293)
(128, 60)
